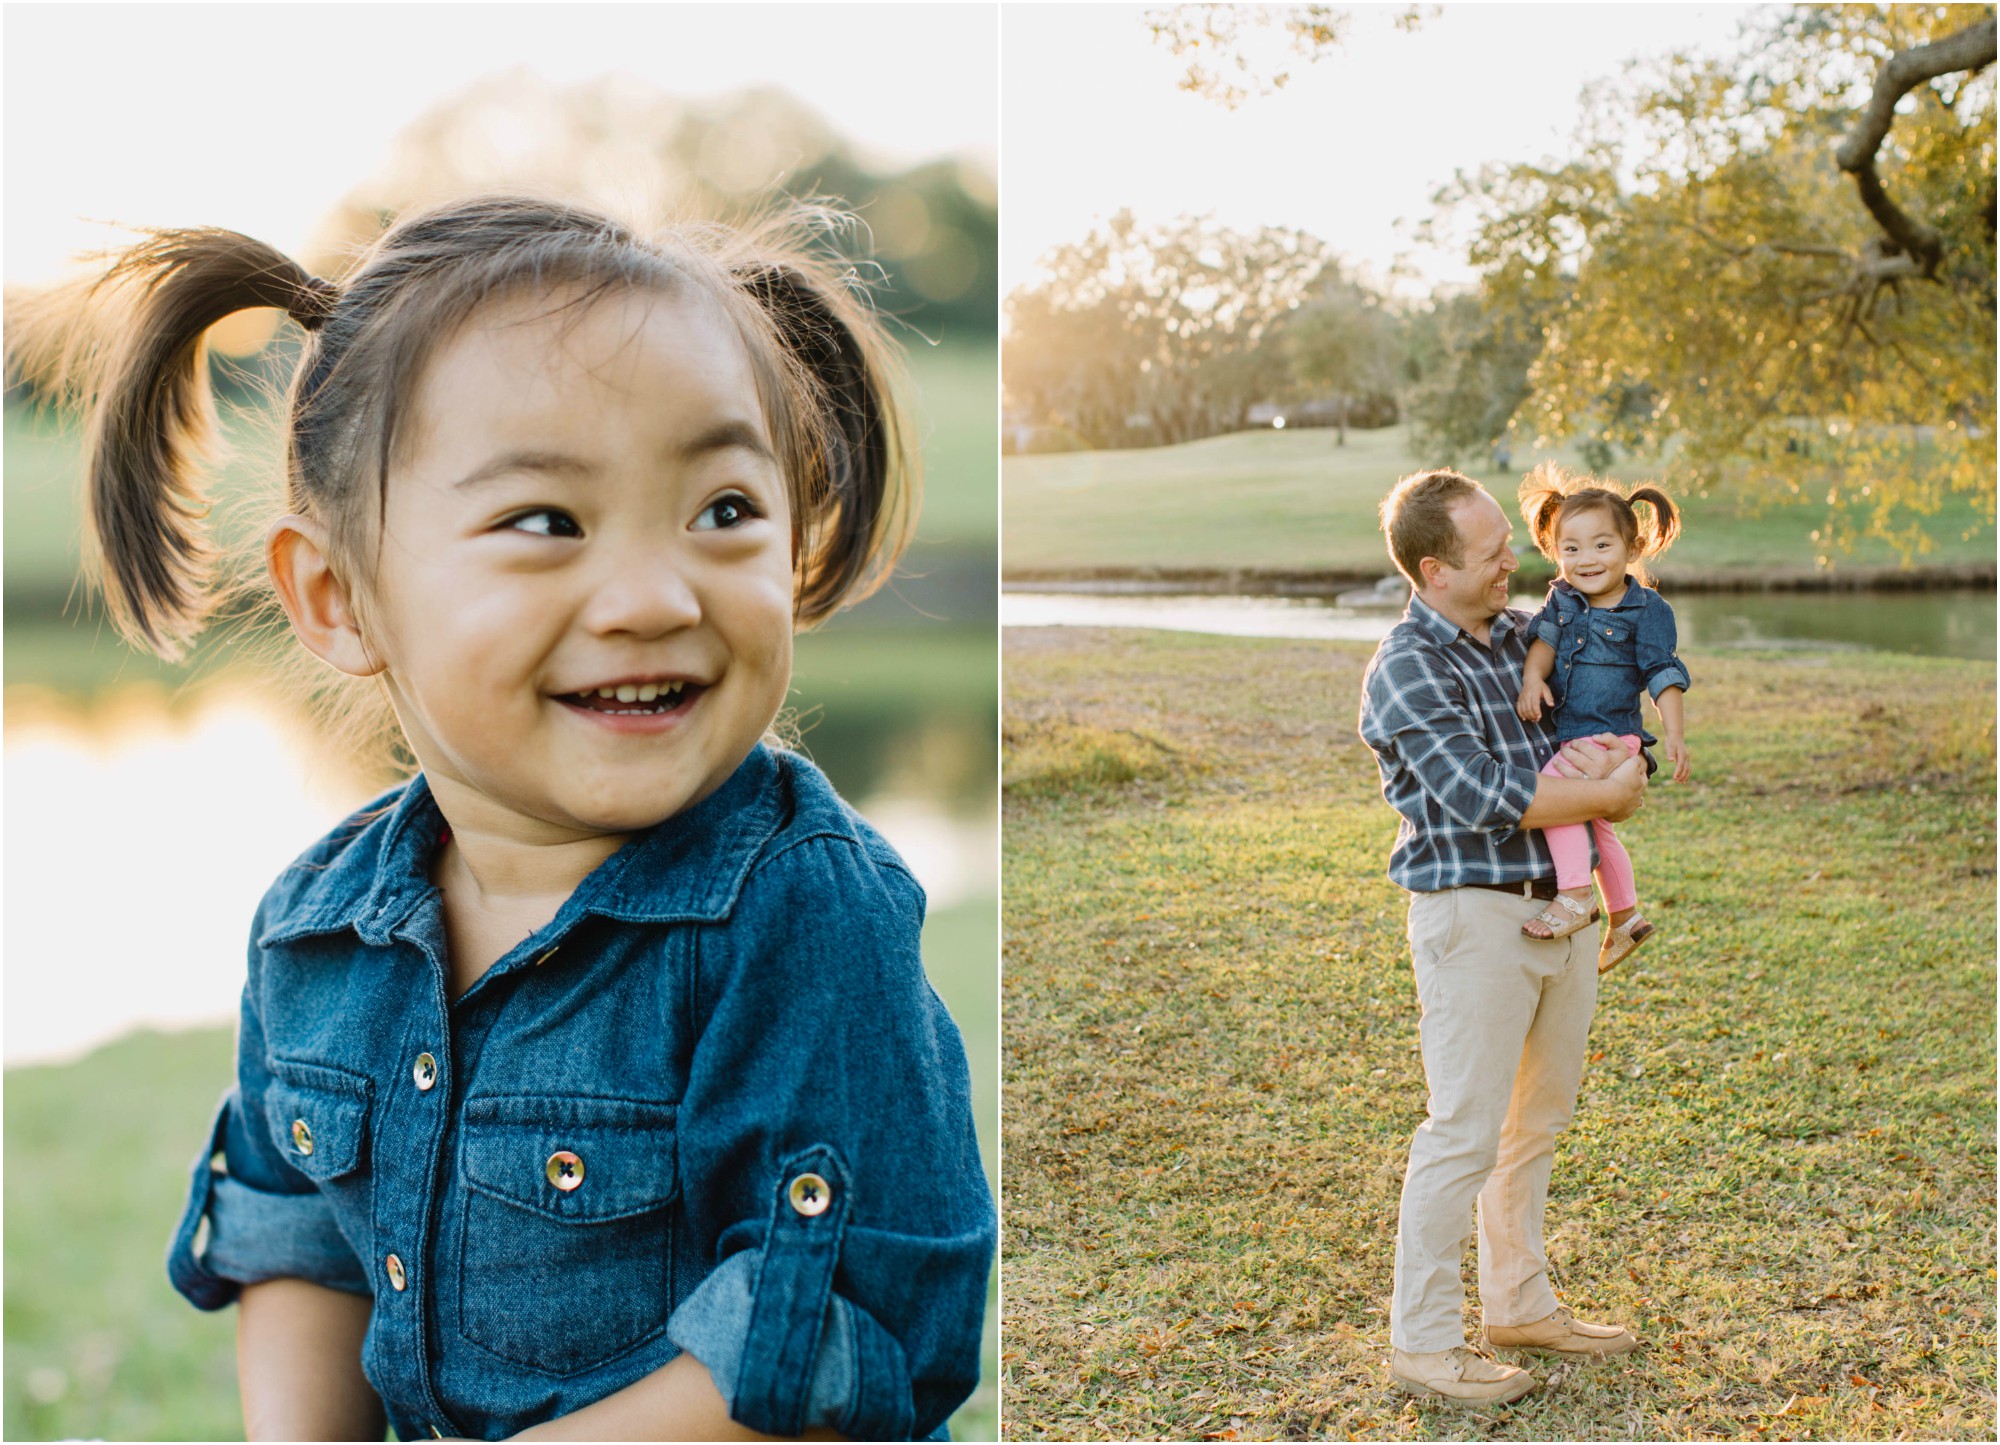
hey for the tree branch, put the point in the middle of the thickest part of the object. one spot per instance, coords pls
(1969, 49)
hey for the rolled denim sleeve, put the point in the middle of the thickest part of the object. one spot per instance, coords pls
(265, 1220)
(1420, 715)
(1655, 644)
(1546, 625)
(828, 1157)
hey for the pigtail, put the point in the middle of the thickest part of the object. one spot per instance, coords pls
(1540, 499)
(861, 495)
(125, 350)
(1662, 523)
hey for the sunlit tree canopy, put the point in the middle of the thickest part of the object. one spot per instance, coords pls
(1774, 271)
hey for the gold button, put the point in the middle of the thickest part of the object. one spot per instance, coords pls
(426, 1071)
(565, 1170)
(397, 1279)
(810, 1194)
(302, 1137)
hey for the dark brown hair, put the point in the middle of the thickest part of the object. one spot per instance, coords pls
(126, 349)
(1416, 516)
(1551, 495)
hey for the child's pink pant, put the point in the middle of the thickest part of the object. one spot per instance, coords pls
(1569, 845)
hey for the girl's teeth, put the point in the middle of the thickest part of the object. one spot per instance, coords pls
(647, 692)
(607, 692)
(628, 693)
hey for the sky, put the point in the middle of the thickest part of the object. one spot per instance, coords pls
(1355, 143)
(258, 117)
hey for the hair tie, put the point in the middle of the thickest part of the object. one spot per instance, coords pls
(313, 302)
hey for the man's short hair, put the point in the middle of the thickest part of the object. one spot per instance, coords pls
(1416, 515)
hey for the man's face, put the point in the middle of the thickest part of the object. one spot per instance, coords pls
(1475, 592)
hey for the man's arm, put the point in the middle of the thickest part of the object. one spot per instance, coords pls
(1607, 786)
(298, 1363)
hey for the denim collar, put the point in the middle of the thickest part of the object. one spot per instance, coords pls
(686, 869)
(1636, 596)
(1445, 630)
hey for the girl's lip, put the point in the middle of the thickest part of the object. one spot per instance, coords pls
(637, 723)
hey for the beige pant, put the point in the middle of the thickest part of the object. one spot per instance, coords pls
(1505, 1019)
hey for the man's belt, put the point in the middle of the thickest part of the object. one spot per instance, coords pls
(1542, 888)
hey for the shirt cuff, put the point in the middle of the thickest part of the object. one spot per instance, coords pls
(1548, 632)
(1517, 795)
(254, 1235)
(1673, 675)
(713, 1323)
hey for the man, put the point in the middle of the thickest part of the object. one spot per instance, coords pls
(1505, 1017)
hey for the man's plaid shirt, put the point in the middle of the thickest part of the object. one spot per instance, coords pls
(1457, 762)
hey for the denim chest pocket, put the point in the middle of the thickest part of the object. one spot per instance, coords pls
(318, 1117)
(567, 1253)
(1601, 639)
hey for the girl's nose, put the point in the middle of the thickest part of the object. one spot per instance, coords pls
(645, 596)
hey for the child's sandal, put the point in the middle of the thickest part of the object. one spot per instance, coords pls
(1621, 942)
(1581, 916)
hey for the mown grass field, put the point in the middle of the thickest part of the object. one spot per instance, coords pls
(1781, 1173)
(1295, 500)
(97, 1154)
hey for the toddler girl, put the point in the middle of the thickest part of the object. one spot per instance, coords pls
(589, 1084)
(1601, 639)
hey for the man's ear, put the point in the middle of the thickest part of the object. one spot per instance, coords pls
(1431, 571)
(314, 597)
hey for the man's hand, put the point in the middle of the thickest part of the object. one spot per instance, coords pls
(1535, 696)
(1631, 775)
(1593, 757)
(1677, 754)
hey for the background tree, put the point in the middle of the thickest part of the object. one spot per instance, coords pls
(1779, 268)
(1156, 334)
(1344, 343)
(1234, 52)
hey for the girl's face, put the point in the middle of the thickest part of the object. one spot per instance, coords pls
(1593, 554)
(583, 598)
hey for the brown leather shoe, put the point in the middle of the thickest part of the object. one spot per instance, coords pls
(1461, 1375)
(1562, 1333)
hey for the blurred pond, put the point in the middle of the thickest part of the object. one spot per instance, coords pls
(1942, 623)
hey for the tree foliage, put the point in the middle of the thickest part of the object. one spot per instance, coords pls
(1235, 52)
(1746, 271)
(1346, 342)
(1156, 333)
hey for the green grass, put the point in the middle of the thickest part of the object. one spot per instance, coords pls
(1781, 1172)
(97, 1157)
(1295, 500)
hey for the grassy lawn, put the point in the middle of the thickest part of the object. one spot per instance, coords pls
(1781, 1172)
(1294, 500)
(97, 1154)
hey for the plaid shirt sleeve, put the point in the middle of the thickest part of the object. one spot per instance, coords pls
(1422, 725)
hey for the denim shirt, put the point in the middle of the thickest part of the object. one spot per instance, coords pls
(714, 1105)
(1604, 656)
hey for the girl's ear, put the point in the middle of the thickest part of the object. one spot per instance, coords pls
(314, 597)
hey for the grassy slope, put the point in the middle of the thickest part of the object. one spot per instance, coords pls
(1781, 1171)
(1295, 500)
(97, 1155)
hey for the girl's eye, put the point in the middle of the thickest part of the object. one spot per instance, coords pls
(730, 511)
(545, 522)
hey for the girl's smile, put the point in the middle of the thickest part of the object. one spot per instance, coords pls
(584, 594)
(1593, 555)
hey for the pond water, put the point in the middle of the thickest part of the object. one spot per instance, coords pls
(140, 836)
(1942, 623)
